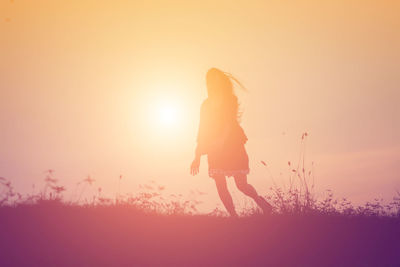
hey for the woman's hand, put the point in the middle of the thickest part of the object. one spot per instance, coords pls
(194, 168)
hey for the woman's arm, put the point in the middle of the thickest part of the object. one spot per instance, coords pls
(200, 147)
(202, 132)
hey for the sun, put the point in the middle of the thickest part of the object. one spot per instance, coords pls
(163, 113)
(167, 114)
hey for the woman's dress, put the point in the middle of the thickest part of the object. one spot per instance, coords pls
(222, 139)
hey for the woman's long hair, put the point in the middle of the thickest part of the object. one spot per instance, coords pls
(220, 90)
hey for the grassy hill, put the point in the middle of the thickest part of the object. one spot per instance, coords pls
(50, 233)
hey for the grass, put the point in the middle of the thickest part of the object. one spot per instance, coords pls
(152, 229)
(54, 234)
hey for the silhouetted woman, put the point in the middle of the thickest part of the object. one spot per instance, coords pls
(222, 139)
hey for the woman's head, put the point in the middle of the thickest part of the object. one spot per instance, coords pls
(218, 83)
(220, 90)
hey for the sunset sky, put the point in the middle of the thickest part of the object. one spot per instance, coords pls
(85, 86)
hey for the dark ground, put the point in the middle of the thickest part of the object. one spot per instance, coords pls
(121, 236)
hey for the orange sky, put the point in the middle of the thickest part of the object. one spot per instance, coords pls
(78, 80)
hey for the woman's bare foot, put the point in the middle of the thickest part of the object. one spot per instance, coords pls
(264, 205)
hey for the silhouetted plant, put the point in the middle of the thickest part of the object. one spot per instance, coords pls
(298, 198)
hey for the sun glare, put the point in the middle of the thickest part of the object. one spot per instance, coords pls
(166, 111)
(167, 114)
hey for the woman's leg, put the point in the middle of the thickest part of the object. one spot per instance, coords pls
(248, 190)
(226, 198)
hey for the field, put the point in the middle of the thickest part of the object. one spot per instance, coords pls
(50, 232)
(149, 228)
